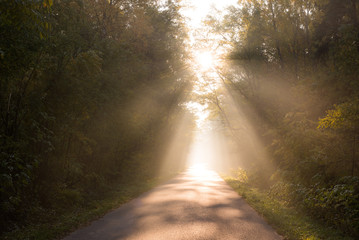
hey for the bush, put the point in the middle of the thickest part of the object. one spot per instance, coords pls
(94, 184)
(240, 175)
(69, 197)
(337, 204)
(288, 192)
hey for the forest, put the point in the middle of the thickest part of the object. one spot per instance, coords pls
(293, 71)
(93, 93)
(90, 94)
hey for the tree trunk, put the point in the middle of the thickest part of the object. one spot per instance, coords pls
(276, 34)
(354, 155)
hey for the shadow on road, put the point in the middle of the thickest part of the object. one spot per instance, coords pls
(189, 206)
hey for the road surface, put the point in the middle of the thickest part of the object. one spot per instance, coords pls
(194, 205)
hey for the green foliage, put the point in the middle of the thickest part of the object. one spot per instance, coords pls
(336, 204)
(85, 87)
(289, 222)
(293, 73)
(57, 223)
(240, 175)
(69, 197)
(344, 116)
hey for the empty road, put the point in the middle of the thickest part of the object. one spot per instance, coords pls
(194, 205)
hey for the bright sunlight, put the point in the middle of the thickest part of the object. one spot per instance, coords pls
(204, 152)
(205, 60)
(196, 10)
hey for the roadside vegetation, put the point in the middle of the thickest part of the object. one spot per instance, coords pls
(291, 221)
(56, 223)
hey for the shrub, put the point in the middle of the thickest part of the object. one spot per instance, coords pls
(69, 197)
(337, 204)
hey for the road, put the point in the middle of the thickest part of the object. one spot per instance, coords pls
(194, 205)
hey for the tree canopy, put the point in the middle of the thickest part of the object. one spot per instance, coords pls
(90, 94)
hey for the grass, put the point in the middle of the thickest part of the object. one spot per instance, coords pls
(55, 224)
(288, 222)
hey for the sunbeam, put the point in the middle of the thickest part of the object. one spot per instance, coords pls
(101, 100)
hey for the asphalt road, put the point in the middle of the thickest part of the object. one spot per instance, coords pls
(194, 205)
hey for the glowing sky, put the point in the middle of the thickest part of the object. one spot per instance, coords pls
(196, 10)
